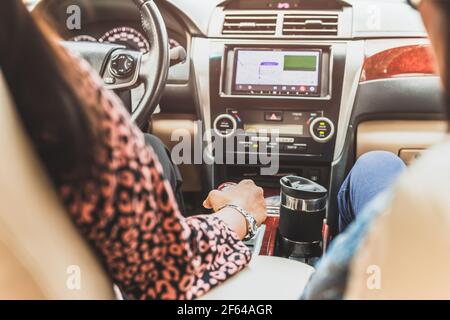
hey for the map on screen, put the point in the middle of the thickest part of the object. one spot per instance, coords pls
(276, 70)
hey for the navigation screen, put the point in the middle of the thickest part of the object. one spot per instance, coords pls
(285, 72)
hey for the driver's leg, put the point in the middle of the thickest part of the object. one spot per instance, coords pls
(373, 173)
(170, 170)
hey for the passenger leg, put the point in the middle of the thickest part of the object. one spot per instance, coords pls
(373, 173)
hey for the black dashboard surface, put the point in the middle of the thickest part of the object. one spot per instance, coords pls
(403, 98)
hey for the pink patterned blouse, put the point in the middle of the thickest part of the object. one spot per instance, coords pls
(131, 218)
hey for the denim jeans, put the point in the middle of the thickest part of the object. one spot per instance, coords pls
(363, 195)
(373, 173)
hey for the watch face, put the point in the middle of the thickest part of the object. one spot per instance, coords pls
(253, 227)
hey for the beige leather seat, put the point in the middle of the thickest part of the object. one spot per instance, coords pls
(42, 256)
(406, 254)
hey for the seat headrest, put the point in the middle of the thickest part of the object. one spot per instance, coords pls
(42, 256)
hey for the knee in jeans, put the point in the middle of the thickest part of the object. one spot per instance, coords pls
(375, 160)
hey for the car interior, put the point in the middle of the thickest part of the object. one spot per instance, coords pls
(202, 67)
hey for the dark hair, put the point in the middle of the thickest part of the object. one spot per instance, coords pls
(52, 111)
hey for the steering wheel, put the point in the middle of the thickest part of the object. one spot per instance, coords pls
(125, 69)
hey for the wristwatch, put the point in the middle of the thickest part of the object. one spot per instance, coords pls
(252, 226)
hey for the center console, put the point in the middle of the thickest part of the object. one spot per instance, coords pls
(293, 89)
(277, 83)
(257, 88)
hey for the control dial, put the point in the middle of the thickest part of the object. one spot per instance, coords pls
(225, 125)
(322, 129)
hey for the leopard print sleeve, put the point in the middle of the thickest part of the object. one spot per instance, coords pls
(131, 219)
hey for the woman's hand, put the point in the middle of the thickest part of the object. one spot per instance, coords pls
(245, 195)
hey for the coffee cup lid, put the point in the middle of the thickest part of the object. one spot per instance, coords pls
(302, 188)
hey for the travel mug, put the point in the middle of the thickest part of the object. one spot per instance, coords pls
(303, 207)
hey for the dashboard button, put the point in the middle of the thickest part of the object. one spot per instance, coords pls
(225, 125)
(273, 116)
(301, 146)
(260, 139)
(285, 140)
(322, 129)
(291, 148)
(122, 65)
(109, 80)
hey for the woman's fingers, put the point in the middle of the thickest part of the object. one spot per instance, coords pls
(245, 194)
(247, 182)
(206, 204)
(211, 199)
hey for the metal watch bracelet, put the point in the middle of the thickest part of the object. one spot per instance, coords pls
(252, 226)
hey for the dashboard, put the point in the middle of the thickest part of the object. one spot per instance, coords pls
(107, 21)
(300, 67)
(313, 69)
(127, 33)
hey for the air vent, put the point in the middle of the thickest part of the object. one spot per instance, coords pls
(310, 25)
(243, 24)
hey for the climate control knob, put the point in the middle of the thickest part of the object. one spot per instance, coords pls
(321, 129)
(225, 125)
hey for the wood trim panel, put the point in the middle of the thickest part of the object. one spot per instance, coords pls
(270, 236)
(403, 61)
